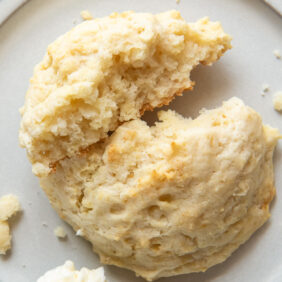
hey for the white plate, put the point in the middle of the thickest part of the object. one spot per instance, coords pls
(241, 72)
(7, 7)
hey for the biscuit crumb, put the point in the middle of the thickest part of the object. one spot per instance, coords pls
(9, 205)
(265, 88)
(60, 232)
(86, 15)
(277, 53)
(79, 232)
(277, 101)
(67, 272)
(5, 237)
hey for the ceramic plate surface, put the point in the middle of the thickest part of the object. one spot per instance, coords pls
(24, 36)
(7, 7)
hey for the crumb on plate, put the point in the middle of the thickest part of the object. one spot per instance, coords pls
(277, 53)
(67, 272)
(60, 232)
(9, 205)
(79, 232)
(86, 15)
(277, 101)
(265, 87)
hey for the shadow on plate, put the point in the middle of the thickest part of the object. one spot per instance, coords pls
(212, 84)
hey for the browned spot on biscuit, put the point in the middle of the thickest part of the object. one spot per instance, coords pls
(113, 153)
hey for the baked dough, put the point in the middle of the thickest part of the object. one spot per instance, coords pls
(86, 15)
(277, 101)
(67, 273)
(107, 71)
(9, 205)
(60, 232)
(5, 237)
(178, 197)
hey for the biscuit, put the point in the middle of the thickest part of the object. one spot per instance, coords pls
(177, 197)
(107, 71)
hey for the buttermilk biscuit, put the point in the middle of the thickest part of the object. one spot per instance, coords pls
(107, 71)
(178, 197)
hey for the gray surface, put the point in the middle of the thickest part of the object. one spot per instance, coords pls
(23, 40)
(7, 7)
(276, 5)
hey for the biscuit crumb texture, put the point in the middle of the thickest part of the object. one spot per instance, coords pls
(68, 273)
(108, 71)
(60, 232)
(86, 15)
(9, 205)
(177, 197)
(277, 101)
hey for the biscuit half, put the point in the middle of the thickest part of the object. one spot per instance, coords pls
(107, 71)
(174, 198)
